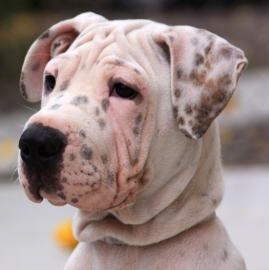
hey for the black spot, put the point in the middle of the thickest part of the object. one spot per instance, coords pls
(105, 104)
(86, 152)
(79, 100)
(45, 35)
(64, 85)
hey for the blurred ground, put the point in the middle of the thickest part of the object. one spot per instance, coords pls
(26, 228)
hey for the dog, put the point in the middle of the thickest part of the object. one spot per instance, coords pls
(126, 134)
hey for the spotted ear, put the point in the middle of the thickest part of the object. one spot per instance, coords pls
(204, 73)
(51, 43)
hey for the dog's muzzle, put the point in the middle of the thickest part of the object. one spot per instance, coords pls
(42, 149)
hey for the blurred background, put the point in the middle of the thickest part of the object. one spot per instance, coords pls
(26, 230)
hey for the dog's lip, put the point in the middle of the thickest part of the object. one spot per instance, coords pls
(53, 198)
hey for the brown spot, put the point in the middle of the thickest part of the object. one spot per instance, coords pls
(138, 118)
(181, 121)
(105, 104)
(78, 100)
(85, 152)
(179, 73)
(208, 48)
(198, 130)
(178, 92)
(136, 130)
(101, 123)
(55, 106)
(188, 109)
(104, 159)
(64, 85)
(226, 52)
(199, 59)
(74, 200)
(35, 66)
(175, 111)
(190, 122)
(198, 78)
(82, 134)
(110, 178)
(224, 81)
(219, 96)
(64, 180)
(72, 157)
(44, 35)
(94, 186)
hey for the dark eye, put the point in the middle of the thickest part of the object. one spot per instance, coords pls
(123, 91)
(50, 82)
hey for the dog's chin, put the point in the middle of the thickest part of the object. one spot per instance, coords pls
(52, 198)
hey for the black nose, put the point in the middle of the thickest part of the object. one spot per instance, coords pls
(41, 145)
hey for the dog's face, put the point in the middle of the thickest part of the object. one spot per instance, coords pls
(110, 91)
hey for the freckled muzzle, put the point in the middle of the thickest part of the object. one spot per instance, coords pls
(41, 150)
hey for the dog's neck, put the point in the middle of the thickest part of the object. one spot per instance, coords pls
(169, 212)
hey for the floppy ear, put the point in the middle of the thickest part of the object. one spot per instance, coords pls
(51, 43)
(204, 72)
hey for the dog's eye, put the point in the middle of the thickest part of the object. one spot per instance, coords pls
(50, 82)
(123, 91)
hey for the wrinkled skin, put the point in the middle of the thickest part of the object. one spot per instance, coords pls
(140, 170)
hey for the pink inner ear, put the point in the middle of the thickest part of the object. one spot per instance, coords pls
(62, 43)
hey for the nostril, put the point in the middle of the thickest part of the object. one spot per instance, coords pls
(50, 149)
(25, 150)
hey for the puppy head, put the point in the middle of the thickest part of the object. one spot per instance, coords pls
(90, 144)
